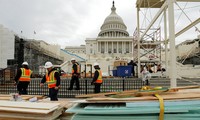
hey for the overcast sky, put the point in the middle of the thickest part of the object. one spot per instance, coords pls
(69, 22)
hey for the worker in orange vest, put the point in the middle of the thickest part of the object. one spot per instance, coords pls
(75, 75)
(97, 79)
(52, 78)
(22, 78)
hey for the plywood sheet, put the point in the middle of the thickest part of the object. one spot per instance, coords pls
(24, 97)
(26, 106)
(12, 115)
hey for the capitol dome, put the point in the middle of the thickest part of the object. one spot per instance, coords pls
(113, 25)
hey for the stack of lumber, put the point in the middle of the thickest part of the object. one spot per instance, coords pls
(24, 97)
(189, 92)
(174, 110)
(164, 104)
(29, 110)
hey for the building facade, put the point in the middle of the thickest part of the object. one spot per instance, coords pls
(14, 50)
(7, 43)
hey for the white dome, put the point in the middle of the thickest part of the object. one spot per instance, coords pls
(113, 17)
(113, 25)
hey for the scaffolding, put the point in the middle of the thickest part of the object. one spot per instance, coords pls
(150, 46)
(166, 9)
(37, 56)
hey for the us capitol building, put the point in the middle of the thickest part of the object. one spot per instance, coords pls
(112, 43)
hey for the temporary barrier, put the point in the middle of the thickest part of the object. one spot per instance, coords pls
(114, 73)
(124, 71)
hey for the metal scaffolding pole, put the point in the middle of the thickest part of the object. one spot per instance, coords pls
(138, 41)
(173, 71)
(166, 43)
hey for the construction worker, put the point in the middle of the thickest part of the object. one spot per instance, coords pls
(22, 78)
(75, 75)
(52, 78)
(97, 79)
(133, 64)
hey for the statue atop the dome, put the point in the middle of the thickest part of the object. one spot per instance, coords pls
(113, 7)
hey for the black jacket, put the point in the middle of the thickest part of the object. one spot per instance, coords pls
(96, 75)
(19, 73)
(75, 67)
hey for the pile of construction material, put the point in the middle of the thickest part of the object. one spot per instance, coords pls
(30, 107)
(147, 104)
(17, 97)
(29, 110)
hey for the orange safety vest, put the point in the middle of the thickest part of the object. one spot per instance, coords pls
(50, 79)
(78, 68)
(99, 79)
(26, 74)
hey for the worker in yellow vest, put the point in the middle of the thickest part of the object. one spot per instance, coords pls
(52, 78)
(75, 75)
(97, 79)
(22, 78)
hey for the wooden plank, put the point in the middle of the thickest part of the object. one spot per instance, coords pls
(29, 105)
(10, 115)
(26, 110)
(171, 96)
(95, 95)
(104, 94)
(65, 103)
(188, 87)
(140, 93)
(24, 97)
(153, 92)
(27, 97)
(134, 92)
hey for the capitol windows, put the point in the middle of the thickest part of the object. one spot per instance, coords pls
(120, 50)
(115, 50)
(109, 51)
(127, 50)
(91, 50)
(114, 47)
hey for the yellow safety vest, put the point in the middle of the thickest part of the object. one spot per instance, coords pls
(99, 79)
(26, 74)
(50, 79)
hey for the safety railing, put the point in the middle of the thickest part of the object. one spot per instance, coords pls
(109, 85)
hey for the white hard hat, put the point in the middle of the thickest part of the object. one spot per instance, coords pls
(25, 63)
(48, 65)
(73, 59)
(96, 64)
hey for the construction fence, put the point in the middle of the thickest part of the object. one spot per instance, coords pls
(109, 85)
